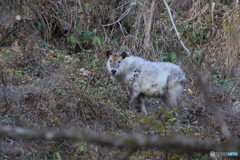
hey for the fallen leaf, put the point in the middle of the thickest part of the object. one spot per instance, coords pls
(15, 46)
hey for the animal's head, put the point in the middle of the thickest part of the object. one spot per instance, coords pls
(114, 61)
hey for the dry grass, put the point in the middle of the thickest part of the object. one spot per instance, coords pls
(47, 82)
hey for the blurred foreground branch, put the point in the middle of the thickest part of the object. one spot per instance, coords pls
(131, 143)
(204, 86)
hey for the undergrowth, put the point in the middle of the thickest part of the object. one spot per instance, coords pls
(53, 74)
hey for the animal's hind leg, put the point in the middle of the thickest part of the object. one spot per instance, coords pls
(172, 102)
(172, 97)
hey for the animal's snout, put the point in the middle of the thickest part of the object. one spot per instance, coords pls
(114, 71)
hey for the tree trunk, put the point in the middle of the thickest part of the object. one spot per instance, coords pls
(148, 18)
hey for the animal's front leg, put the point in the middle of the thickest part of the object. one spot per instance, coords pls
(128, 91)
(133, 98)
(142, 102)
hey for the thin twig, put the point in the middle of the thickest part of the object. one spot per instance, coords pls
(175, 28)
(122, 16)
(119, 19)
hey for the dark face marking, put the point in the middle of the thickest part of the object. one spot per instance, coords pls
(115, 60)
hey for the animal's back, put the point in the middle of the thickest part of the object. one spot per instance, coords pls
(153, 78)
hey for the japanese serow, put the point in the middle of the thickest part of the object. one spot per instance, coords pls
(143, 78)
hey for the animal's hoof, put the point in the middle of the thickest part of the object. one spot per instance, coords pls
(144, 114)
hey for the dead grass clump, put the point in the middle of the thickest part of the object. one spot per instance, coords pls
(52, 72)
(62, 95)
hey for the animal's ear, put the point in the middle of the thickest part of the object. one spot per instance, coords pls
(124, 55)
(108, 53)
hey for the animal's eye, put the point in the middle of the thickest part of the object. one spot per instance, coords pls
(119, 61)
(110, 60)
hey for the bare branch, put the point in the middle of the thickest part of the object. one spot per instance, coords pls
(175, 28)
(131, 143)
(119, 19)
(213, 107)
(122, 16)
(205, 88)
